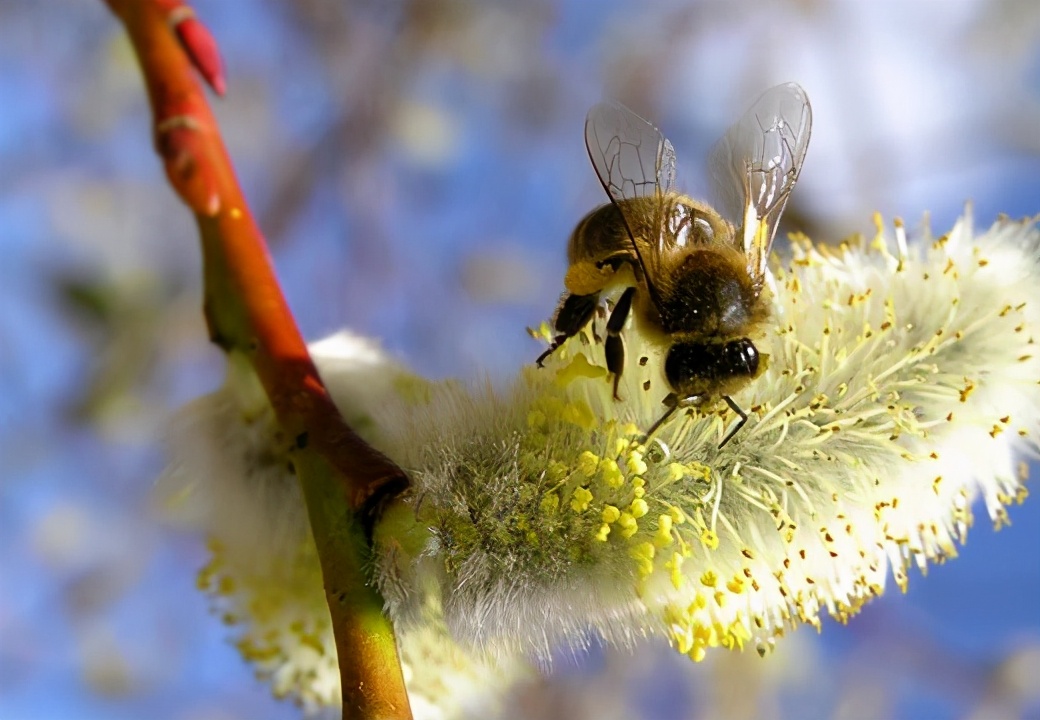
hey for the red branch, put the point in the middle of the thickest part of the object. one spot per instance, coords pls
(200, 171)
(246, 310)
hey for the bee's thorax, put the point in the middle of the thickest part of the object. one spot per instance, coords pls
(708, 295)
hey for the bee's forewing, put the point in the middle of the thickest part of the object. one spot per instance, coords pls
(756, 164)
(632, 158)
(633, 161)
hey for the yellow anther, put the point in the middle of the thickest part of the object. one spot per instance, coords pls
(630, 429)
(663, 537)
(611, 473)
(621, 445)
(635, 463)
(588, 463)
(643, 554)
(580, 499)
(677, 515)
(638, 487)
(674, 567)
(628, 525)
(710, 539)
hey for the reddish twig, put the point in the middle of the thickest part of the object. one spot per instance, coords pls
(246, 312)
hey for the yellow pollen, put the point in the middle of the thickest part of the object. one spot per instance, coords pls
(578, 367)
(578, 413)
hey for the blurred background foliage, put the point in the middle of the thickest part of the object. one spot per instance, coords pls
(417, 166)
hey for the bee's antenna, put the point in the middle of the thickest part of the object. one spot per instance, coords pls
(743, 419)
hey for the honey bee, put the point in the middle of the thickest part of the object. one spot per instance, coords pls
(696, 277)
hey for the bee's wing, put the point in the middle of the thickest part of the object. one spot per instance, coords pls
(756, 164)
(633, 161)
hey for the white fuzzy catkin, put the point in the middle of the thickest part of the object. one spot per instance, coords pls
(229, 478)
(902, 383)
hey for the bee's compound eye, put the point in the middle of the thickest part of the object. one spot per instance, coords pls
(688, 366)
(742, 355)
(703, 230)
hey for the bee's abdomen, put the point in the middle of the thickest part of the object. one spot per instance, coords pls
(598, 246)
(599, 235)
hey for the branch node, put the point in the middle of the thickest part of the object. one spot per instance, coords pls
(374, 504)
(179, 140)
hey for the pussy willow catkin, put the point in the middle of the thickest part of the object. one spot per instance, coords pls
(903, 382)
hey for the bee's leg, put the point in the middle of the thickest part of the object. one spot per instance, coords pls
(600, 314)
(574, 312)
(672, 402)
(743, 419)
(614, 348)
(614, 262)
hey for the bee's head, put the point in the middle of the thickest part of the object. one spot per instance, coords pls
(711, 368)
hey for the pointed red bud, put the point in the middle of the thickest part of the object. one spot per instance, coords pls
(201, 47)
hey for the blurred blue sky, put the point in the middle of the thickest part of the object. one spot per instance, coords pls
(418, 167)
